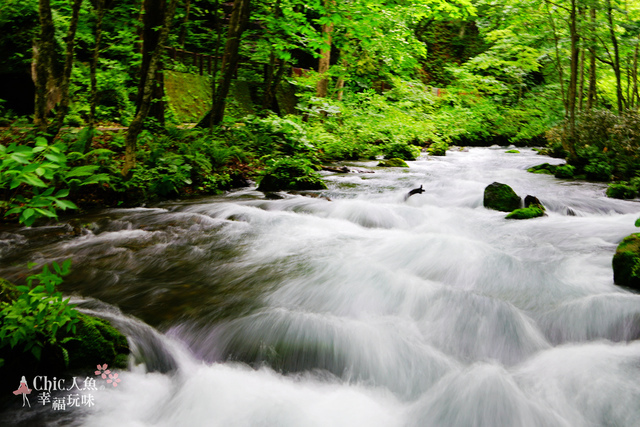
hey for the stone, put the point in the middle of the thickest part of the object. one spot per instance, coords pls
(393, 163)
(626, 262)
(501, 197)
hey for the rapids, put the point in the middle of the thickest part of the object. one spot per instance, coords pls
(360, 308)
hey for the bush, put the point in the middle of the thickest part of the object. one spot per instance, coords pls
(622, 191)
(564, 171)
(438, 149)
(399, 150)
(290, 173)
(35, 318)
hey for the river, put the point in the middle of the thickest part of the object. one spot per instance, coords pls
(359, 307)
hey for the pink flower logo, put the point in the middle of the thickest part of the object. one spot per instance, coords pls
(113, 379)
(103, 371)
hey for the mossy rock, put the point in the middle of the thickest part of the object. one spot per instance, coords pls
(400, 150)
(501, 197)
(438, 149)
(621, 191)
(512, 152)
(273, 183)
(393, 163)
(526, 213)
(626, 262)
(565, 172)
(96, 342)
(544, 168)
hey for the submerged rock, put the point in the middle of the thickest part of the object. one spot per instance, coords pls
(527, 213)
(626, 262)
(393, 163)
(501, 197)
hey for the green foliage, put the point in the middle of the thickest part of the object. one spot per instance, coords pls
(512, 152)
(290, 173)
(399, 150)
(564, 171)
(30, 176)
(623, 190)
(438, 149)
(39, 314)
(626, 262)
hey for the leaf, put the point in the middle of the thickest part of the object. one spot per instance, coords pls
(65, 204)
(81, 171)
(34, 180)
(41, 142)
(28, 213)
(62, 193)
(46, 213)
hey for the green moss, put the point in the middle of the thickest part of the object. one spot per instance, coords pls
(438, 149)
(291, 174)
(512, 152)
(526, 213)
(96, 342)
(393, 163)
(400, 150)
(565, 172)
(545, 168)
(189, 95)
(621, 191)
(626, 262)
(501, 197)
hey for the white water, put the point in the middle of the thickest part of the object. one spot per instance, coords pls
(369, 310)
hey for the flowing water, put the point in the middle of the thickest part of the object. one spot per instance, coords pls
(360, 307)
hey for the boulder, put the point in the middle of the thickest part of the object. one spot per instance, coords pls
(565, 172)
(393, 163)
(545, 168)
(526, 213)
(626, 262)
(501, 197)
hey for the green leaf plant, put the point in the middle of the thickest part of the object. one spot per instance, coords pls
(39, 316)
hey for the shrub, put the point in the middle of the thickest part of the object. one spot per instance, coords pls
(564, 171)
(438, 149)
(290, 173)
(622, 191)
(399, 150)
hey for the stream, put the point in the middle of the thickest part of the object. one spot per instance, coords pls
(358, 307)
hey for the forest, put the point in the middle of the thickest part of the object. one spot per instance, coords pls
(280, 87)
(236, 185)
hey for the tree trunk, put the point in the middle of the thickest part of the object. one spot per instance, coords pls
(591, 97)
(558, 61)
(616, 59)
(44, 51)
(63, 107)
(183, 28)
(93, 67)
(237, 24)
(573, 78)
(323, 62)
(154, 16)
(145, 105)
(635, 97)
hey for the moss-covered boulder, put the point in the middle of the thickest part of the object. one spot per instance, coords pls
(501, 197)
(96, 342)
(622, 190)
(290, 173)
(393, 163)
(544, 168)
(438, 149)
(526, 213)
(626, 262)
(512, 152)
(400, 150)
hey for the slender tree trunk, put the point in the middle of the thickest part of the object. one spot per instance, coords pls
(154, 15)
(323, 63)
(581, 80)
(635, 97)
(558, 61)
(340, 82)
(616, 58)
(63, 107)
(237, 23)
(270, 83)
(573, 77)
(183, 28)
(145, 105)
(592, 94)
(44, 49)
(92, 74)
(214, 76)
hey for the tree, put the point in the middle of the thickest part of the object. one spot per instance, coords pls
(145, 102)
